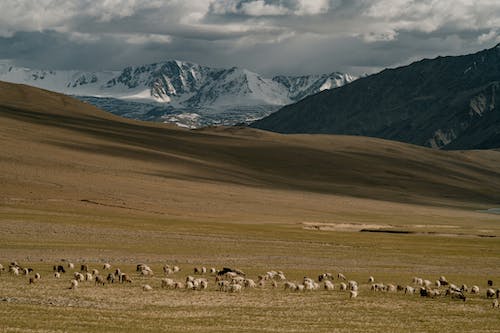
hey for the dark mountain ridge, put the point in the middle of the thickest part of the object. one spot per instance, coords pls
(447, 102)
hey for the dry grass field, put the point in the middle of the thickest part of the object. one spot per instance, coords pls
(80, 185)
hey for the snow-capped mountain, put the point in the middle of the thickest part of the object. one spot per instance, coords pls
(175, 90)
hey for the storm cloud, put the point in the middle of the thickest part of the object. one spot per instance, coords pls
(266, 36)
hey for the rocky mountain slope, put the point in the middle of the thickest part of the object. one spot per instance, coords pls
(174, 90)
(446, 102)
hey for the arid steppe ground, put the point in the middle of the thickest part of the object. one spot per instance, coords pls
(80, 185)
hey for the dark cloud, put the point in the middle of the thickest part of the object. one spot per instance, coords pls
(267, 36)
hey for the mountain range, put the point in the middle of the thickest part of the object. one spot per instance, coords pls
(448, 102)
(184, 93)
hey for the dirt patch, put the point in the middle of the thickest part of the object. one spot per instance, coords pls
(343, 226)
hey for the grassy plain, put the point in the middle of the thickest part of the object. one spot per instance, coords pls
(81, 185)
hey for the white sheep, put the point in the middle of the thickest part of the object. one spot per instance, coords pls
(280, 276)
(427, 283)
(88, 277)
(26, 271)
(57, 275)
(328, 285)
(95, 272)
(37, 276)
(147, 287)
(235, 288)
(343, 286)
(352, 284)
(74, 284)
(353, 294)
(79, 277)
(299, 287)
(223, 285)
(341, 276)
(390, 288)
(167, 283)
(176, 269)
(474, 290)
(71, 265)
(490, 293)
(290, 285)
(249, 283)
(438, 283)
(179, 285)
(371, 279)
(409, 290)
(190, 284)
(106, 266)
(14, 270)
(495, 303)
(213, 270)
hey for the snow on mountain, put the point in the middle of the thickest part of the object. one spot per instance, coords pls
(173, 88)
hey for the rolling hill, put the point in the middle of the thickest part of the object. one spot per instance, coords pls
(447, 102)
(59, 151)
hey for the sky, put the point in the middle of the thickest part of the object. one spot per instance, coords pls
(292, 37)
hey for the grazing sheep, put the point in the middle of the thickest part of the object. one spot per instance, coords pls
(179, 285)
(213, 270)
(438, 283)
(495, 303)
(99, 280)
(420, 281)
(464, 288)
(343, 286)
(474, 290)
(341, 276)
(84, 268)
(78, 276)
(167, 283)
(328, 285)
(74, 284)
(189, 285)
(106, 266)
(168, 270)
(290, 285)
(31, 280)
(197, 270)
(110, 278)
(125, 278)
(147, 271)
(14, 270)
(443, 281)
(490, 293)
(424, 292)
(427, 283)
(147, 287)
(409, 290)
(118, 273)
(458, 295)
(371, 279)
(71, 265)
(95, 272)
(203, 270)
(176, 269)
(235, 288)
(60, 269)
(189, 278)
(57, 275)
(1, 268)
(300, 287)
(274, 284)
(490, 283)
(353, 294)
(88, 277)
(353, 285)
(223, 285)
(203, 284)
(249, 283)
(25, 271)
(37, 276)
(454, 287)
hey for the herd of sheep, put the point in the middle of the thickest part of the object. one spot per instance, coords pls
(235, 281)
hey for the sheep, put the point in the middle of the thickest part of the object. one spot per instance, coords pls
(249, 283)
(300, 287)
(424, 292)
(95, 272)
(106, 266)
(498, 293)
(353, 294)
(167, 283)
(176, 269)
(495, 303)
(223, 285)
(147, 287)
(490, 293)
(458, 295)
(203, 270)
(31, 280)
(167, 270)
(59, 269)
(88, 277)
(327, 276)
(74, 284)
(328, 285)
(490, 283)
(474, 290)
(147, 271)
(261, 283)
(118, 273)
(235, 288)
(14, 270)
(189, 278)
(25, 271)
(213, 270)
(427, 283)
(343, 286)
(409, 290)
(197, 270)
(464, 288)
(178, 285)
(110, 278)
(352, 284)
(38, 276)
(371, 279)
(420, 281)
(289, 285)
(437, 283)
(203, 284)
(309, 285)
(454, 287)
(84, 268)
(1, 268)
(341, 276)
(79, 276)
(57, 275)
(443, 281)
(274, 284)
(71, 265)
(99, 280)
(189, 285)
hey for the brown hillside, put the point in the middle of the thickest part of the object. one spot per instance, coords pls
(59, 151)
